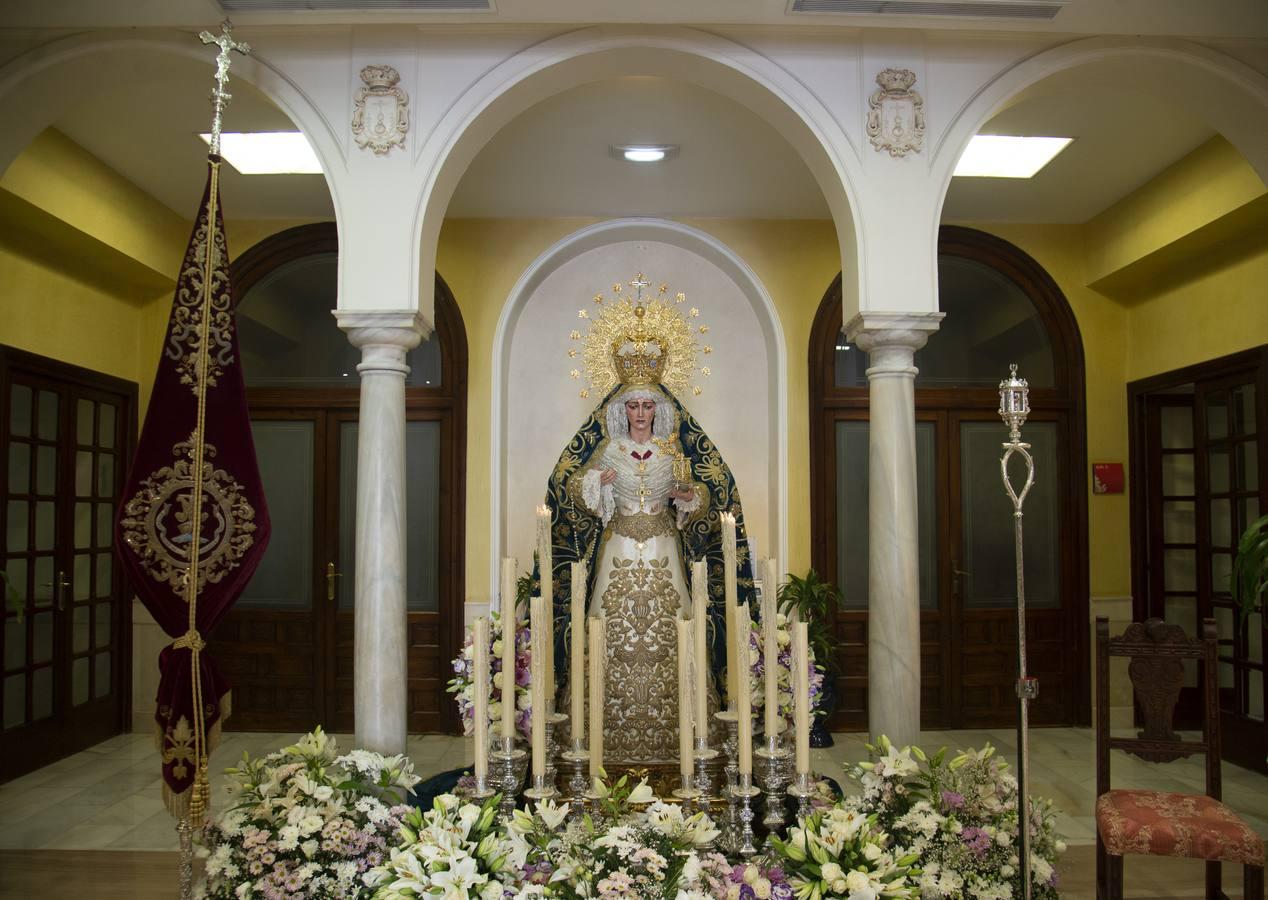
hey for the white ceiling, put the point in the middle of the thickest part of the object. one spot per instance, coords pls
(553, 160)
(1193, 18)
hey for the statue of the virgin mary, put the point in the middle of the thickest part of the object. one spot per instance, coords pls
(637, 495)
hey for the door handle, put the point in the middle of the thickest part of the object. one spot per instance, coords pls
(956, 574)
(331, 575)
(59, 589)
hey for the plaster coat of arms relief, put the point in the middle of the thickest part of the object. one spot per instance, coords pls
(896, 114)
(380, 118)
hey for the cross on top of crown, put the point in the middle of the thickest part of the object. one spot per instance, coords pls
(639, 282)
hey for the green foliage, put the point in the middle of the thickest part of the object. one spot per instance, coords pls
(1249, 579)
(525, 585)
(815, 602)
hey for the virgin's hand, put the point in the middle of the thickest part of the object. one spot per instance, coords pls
(682, 495)
(608, 476)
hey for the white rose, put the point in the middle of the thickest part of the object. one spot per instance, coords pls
(859, 886)
(762, 888)
(832, 872)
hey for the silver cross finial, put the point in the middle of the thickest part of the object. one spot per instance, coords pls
(639, 282)
(219, 96)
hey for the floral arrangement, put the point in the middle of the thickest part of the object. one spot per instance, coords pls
(455, 849)
(305, 822)
(784, 678)
(958, 819)
(462, 685)
(638, 847)
(842, 853)
(746, 881)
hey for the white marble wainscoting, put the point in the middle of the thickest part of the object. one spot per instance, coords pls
(108, 797)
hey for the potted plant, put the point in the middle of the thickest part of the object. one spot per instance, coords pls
(1249, 579)
(815, 602)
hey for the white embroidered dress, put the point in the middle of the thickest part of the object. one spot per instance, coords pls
(640, 585)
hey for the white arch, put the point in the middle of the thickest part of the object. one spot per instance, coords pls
(597, 53)
(36, 88)
(1228, 94)
(616, 231)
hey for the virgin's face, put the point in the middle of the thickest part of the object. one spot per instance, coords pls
(640, 413)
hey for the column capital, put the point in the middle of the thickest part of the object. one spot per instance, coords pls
(891, 339)
(870, 330)
(384, 337)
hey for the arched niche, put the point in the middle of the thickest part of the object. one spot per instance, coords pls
(536, 405)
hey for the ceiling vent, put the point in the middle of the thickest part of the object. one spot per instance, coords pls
(349, 6)
(962, 9)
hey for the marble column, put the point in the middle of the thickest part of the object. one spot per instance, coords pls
(893, 621)
(380, 637)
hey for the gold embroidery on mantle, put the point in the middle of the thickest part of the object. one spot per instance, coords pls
(156, 523)
(641, 691)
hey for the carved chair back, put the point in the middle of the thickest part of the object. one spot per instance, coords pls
(1157, 651)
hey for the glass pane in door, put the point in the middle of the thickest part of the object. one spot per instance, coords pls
(422, 512)
(987, 518)
(284, 578)
(852, 513)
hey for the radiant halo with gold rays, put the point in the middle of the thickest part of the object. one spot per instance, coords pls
(669, 323)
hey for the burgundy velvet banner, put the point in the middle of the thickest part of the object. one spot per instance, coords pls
(153, 530)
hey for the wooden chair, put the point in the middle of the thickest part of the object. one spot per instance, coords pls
(1161, 823)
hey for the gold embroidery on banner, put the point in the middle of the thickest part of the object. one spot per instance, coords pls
(641, 690)
(179, 748)
(156, 523)
(643, 526)
(182, 338)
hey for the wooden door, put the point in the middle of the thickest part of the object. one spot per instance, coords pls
(1198, 455)
(67, 434)
(982, 593)
(288, 644)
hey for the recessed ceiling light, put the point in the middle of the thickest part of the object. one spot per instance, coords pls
(643, 153)
(268, 152)
(1007, 156)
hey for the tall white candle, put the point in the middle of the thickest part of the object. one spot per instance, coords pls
(598, 662)
(700, 641)
(537, 683)
(577, 670)
(480, 644)
(686, 756)
(508, 647)
(731, 598)
(744, 707)
(546, 568)
(770, 649)
(801, 694)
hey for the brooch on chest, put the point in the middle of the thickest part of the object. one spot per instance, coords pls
(640, 458)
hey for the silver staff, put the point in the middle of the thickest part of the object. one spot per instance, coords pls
(1014, 406)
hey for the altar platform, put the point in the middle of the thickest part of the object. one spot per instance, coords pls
(107, 798)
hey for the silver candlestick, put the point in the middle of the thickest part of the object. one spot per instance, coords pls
(704, 784)
(509, 757)
(686, 792)
(541, 790)
(553, 721)
(729, 839)
(1014, 407)
(483, 789)
(744, 792)
(774, 754)
(577, 760)
(803, 788)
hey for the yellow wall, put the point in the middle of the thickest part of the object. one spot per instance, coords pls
(481, 260)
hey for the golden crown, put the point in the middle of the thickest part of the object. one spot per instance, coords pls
(637, 356)
(639, 340)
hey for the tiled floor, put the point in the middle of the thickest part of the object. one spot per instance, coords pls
(109, 797)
